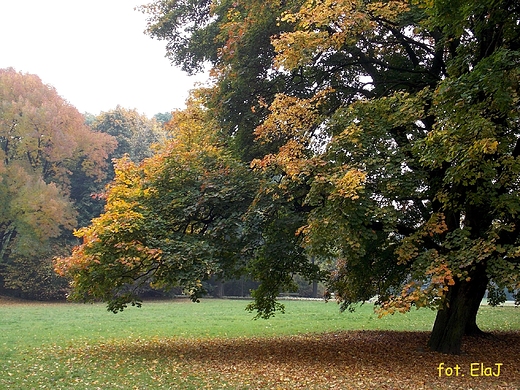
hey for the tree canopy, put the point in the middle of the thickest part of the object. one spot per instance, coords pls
(172, 220)
(43, 141)
(386, 140)
(415, 192)
(233, 39)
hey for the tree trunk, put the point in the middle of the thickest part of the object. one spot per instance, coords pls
(458, 317)
(218, 291)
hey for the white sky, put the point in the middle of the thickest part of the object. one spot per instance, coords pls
(94, 52)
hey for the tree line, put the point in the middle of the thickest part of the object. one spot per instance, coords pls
(54, 166)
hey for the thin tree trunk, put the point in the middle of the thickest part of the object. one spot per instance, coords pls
(220, 289)
(458, 317)
(8, 235)
(314, 289)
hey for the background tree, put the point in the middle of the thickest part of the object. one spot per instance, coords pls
(42, 140)
(163, 117)
(135, 133)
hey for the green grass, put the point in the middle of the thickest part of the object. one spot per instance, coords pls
(39, 324)
(49, 345)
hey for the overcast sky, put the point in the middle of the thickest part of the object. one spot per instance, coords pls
(93, 52)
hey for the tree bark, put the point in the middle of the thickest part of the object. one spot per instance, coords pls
(458, 317)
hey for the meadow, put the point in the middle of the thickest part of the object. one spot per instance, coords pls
(216, 345)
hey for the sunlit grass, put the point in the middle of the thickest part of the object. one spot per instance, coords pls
(62, 346)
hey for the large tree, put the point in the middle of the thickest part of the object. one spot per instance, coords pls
(393, 151)
(43, 140)
(416, 190)
(400, 121)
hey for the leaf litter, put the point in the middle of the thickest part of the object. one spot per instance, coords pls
(340, 360)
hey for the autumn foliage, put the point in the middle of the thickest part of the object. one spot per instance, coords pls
(340, 360)
(173, 220)
(391, 131)
(384, 146)
(43, 143)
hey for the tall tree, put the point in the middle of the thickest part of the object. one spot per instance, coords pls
(42, 140)
(416, 190)
(397, 128)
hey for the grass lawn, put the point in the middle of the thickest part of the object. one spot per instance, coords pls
(217, 345)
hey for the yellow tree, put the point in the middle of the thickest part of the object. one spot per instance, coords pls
(175, 219)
